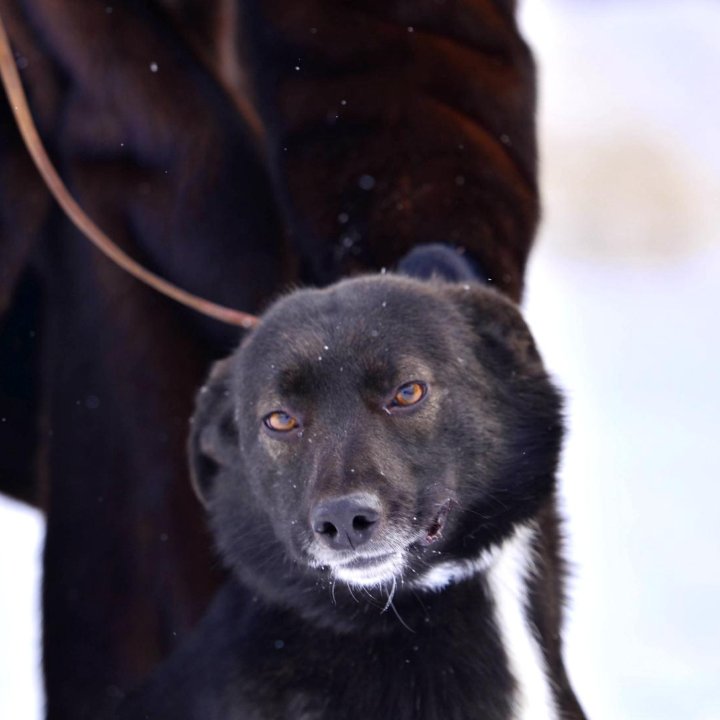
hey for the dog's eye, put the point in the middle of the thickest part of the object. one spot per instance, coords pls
(280, 421)
(409, 394)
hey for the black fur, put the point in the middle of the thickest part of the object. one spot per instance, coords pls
(442, 261)
(476, 457)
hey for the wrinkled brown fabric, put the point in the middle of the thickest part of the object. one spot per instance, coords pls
(236, 149)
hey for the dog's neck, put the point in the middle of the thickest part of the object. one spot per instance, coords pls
(492, 595)
(507, 571)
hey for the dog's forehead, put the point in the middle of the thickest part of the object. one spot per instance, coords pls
(372, 326)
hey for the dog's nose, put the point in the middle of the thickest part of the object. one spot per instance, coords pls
(346, 522)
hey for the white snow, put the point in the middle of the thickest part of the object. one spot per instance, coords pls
(21, 537)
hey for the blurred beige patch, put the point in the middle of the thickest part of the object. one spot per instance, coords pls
(627, 195)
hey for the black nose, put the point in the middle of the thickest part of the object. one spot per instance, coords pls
(346, 522)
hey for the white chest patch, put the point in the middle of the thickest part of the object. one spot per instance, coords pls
(507, 568)
(507, 580)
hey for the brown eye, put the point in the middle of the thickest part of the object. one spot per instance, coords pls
(280, 421)
(409, 394)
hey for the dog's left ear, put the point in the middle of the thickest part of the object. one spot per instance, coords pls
(213, 444)
(501, 334)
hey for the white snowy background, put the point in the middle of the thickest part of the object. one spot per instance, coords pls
(624, 298)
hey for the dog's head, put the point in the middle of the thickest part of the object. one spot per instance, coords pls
(380, 429)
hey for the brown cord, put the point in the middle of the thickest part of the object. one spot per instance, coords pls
(23, 117)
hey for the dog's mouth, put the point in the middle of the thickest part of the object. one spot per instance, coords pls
(384, 565)
(435, 530)
(381, 568)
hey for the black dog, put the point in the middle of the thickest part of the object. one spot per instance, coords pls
(378, 462)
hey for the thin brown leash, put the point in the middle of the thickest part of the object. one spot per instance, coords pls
(33, 143)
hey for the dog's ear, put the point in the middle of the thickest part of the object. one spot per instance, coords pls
(501, 335)
(213, 443)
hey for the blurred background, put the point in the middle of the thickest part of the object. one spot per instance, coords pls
(624, 298)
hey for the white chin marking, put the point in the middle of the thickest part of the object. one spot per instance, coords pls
(372, 576)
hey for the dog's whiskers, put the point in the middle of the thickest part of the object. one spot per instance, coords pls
(391, 595)
(397, 615)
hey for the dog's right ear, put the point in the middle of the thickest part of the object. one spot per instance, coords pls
(213, 444)
(502, 335)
